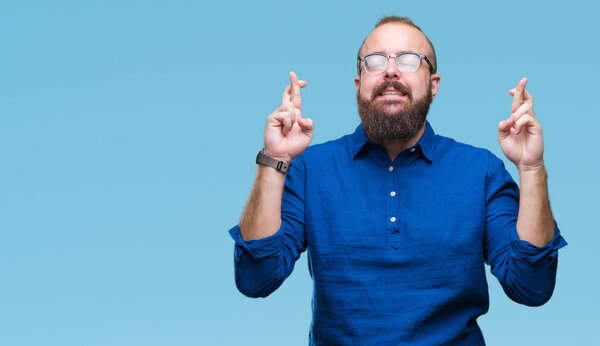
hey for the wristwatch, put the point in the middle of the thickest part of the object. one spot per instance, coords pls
(265, 160)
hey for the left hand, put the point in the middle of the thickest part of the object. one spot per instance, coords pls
(520, 135)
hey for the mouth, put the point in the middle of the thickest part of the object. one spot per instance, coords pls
(392, 91)
(392, 95)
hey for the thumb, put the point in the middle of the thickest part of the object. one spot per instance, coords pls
(504, 128)
(306, 125)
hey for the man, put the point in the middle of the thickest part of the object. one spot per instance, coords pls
(398, 221)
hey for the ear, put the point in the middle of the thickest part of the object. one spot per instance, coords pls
(435, 84)
(357, 83)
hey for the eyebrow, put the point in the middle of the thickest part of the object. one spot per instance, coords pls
(384, 53)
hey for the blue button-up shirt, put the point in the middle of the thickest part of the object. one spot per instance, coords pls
(396, 249)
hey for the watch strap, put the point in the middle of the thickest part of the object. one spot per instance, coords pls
(265, 160)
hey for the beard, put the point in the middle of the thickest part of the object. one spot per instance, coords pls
(381, 123)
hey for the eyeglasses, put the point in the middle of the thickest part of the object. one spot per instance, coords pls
(406, 62)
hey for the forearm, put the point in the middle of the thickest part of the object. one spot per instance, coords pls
(262, 215)
(535, 223)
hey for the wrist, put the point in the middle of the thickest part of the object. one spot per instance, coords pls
(532, 168)
(532, 175)
(278, 164)
(277, 156)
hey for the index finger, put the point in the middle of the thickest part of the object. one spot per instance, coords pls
(286, 94)
(518, 95)
(527, 97)
(295, 92)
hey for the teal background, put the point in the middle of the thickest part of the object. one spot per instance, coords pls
(128, 132)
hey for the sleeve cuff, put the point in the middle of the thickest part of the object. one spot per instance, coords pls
(525, 250)
(258, 248)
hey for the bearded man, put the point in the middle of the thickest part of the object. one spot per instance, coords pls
(398, 221)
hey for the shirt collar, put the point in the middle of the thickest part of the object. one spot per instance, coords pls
(426, 143)
(358, 140)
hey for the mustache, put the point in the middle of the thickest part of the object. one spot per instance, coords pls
(392, 84)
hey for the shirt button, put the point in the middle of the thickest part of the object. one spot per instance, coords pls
(412, 150)
(393, 219)
(393, 193)
(391, 168)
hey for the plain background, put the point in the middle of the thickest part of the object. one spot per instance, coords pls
(128, 132)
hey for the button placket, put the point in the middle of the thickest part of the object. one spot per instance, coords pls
(393, 232)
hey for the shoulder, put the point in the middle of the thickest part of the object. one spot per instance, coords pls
(336, 148)
(468, 159)
(450, 149)
(320, 160)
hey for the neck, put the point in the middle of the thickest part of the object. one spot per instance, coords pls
(396, 146)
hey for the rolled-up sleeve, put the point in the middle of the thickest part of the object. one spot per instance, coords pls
(261, 265)
(526, 272)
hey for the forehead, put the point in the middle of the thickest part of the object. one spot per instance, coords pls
(393, 38)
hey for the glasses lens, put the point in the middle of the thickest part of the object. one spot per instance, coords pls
(375, 63)
(408, 62)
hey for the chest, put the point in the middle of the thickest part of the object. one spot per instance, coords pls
(415, 217)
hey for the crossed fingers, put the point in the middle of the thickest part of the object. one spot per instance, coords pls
(291, 105)
(291, 93)
(521, 109)
(520, 95)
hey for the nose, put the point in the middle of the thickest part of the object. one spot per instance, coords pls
(391, 71)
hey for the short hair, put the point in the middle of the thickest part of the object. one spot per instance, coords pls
(401, 20)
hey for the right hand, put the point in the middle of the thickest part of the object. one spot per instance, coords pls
(287, 133)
